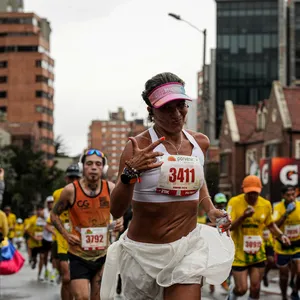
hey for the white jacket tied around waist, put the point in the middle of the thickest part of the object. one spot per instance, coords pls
(203, 254)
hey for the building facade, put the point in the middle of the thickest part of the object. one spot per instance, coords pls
(26, 72)
(110, 136)
(251, 51)
(206, 113)
(294, 42)
(250, 133)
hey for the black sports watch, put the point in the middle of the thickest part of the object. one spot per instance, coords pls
(125, 178)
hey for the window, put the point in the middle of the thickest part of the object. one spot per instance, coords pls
(44, 110)
(103, 129)
(224, 164)
(42, 94)
(3, 94)
(297, 149)
(251, 162)
(45, 125)
(3, 79)
(272, 150)
(3, 64)
(3, 113)
(41, 78)
(44, 64)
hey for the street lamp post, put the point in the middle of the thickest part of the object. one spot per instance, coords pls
(204, 32)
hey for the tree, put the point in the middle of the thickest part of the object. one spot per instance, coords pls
(28, 178)
(60, 146)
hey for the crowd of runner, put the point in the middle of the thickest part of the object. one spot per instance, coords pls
(77, 238)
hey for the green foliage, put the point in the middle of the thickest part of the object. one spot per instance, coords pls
(29, 180)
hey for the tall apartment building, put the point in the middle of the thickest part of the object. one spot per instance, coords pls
(26, 71)
(251, 51)
(294, 42)
(110, 136)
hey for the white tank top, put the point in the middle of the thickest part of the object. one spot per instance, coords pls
(145, 191)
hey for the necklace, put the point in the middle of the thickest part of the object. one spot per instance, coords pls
(181, 140)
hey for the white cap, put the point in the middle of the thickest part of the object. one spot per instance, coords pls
(19, 220)
(49, 199)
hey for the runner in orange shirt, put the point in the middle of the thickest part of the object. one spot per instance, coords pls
(88, 202)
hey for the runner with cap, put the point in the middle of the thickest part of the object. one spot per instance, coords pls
(220, 202)
(287, 217)
(165, 254)
(88, 203)
(250, 214)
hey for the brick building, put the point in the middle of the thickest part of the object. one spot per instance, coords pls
(249, 133)
(110, 136)
(26, 72)
(22, 134)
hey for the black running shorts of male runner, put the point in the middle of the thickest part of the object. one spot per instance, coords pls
(35, 251)
(84, 269)
(63, 256)
(258, 265)
(54, 254)
(269, 251)
(46, 245)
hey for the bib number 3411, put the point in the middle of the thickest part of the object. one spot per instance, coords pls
(182, 175)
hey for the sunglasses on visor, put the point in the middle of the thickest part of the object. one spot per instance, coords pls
(94, 151)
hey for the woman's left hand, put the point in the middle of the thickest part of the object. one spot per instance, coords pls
(215, 214)
(119, 225)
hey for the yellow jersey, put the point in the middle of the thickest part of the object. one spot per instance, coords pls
(290, 227)
(268, 237)
(201, 220)
(35, 227)
(19, 230)
(62, 244)
(248, 237)
(3, 224)
(12, 219)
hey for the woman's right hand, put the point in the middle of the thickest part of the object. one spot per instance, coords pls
(145, 159)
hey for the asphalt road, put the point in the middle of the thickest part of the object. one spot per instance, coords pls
(24, 285)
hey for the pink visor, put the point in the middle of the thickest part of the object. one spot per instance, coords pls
(166, 93)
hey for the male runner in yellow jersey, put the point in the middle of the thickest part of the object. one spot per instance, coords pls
(3, 218)
(34, 229)
(72, 173)
(287, 217)
(12, 220)
(250, 214)
(19, 233)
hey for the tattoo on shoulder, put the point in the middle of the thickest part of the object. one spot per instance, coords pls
(60, 207)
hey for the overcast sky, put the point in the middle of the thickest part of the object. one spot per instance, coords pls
(105, 51)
